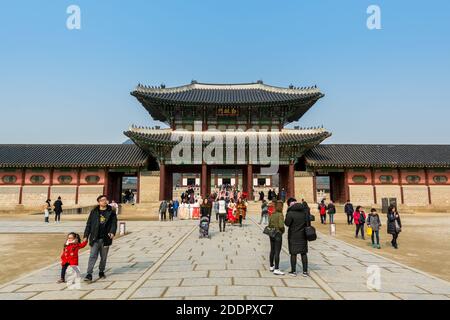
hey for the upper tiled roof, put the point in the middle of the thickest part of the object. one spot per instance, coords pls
(71, 155)
(375, 155)
(169, 137)
(217, 94)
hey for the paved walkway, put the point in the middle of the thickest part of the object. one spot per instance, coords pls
(167, 260)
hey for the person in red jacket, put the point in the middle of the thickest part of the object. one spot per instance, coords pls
(69, 255)
(360, 220)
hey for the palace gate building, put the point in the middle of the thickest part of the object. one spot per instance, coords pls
(226, 134)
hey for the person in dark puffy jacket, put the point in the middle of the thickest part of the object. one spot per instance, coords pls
(348, 209)
(297, 218)
(394, 225)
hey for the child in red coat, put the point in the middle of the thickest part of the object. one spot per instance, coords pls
(69, 255)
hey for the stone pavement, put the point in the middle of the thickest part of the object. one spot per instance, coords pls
(167, 260)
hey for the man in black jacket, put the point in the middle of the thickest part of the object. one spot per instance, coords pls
(100, 229)
(348, 208)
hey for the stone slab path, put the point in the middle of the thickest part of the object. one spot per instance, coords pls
(167, 260)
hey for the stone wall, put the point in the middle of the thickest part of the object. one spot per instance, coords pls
(440, 195)
(9, 196)
(388, 191)
(361, 195)
(149, 186)
(67, 194)
(34, 195)
(87, 195)
(304, 186)
(415, 195)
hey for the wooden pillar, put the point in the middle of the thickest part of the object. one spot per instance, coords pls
(291, 181)
(400, 182)
(22, 183)
(105, 185)
(77, 190)
(162, 181)
(372, 178)
(427, 182)
(346, 186)
(250, 181)
(314, 187)
(50, 183)
(138, 186)
(204, 181)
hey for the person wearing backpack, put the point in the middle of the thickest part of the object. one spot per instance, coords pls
(323, 212)
(360, 220)
(331, 209)
(276, 221)
(374, 222)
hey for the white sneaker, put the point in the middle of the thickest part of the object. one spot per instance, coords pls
(271, 269)
(278, 272)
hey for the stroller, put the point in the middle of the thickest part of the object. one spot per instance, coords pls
(204, 227)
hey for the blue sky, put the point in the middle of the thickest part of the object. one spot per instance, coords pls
(72, 86)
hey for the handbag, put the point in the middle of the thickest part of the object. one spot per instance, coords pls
(369, 231)
(398, 229)
(271, 232)
(310, 231)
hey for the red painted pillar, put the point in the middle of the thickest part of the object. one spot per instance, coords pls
(22, 183)
(162, 181)
(346, 186)
(250, 181)
(204, 181)
(50, 183)
(372, 172)
(77, 190)
(401, 185)
(138, 187)
(291, 181)
(427, 182)
(314, 187)
(105, 185)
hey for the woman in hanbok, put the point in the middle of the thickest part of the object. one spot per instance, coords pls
(184, 211)
(196, 210)
(241, 210)
(231, 211)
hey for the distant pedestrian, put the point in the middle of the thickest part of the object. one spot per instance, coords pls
(115, 206)
(216, 209)
(276, 221)
(331, 209)
(241, 210)
(176, 205)
(264, 212)
(323, 212)
(360, 220)
(58, 209)
(394, 224)
(170, 209)
(283, 195)
(222, 214)
(348, 208)
(47, 210)
(297, 218)
(374, 222)
(163, 210)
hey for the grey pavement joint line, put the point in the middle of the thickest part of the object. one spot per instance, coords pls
(322, 284)
(139, 282)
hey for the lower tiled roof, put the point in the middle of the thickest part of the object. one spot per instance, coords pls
(71, 155)
(378, 155)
